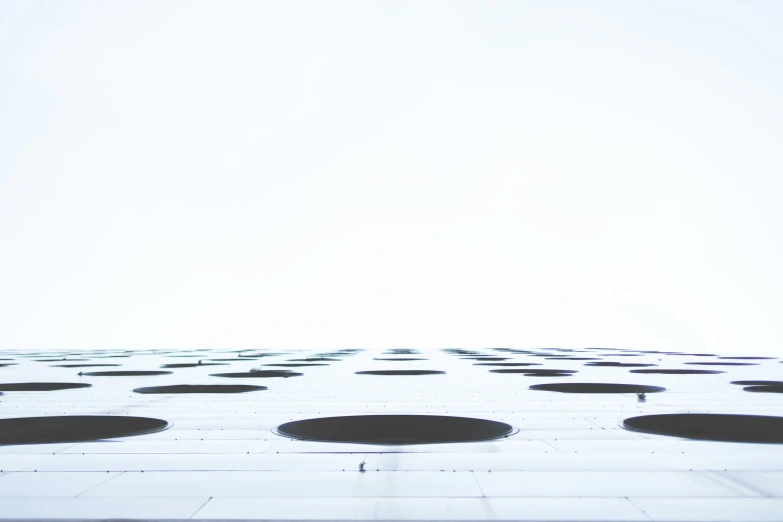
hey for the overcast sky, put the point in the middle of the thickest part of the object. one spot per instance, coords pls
(382, 174)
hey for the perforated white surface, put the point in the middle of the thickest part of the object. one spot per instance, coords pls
(221, 460)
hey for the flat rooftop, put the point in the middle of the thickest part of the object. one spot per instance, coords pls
(568, 457)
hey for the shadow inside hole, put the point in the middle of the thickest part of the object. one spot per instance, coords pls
(710, 426)
(395, 429)
(75, 428)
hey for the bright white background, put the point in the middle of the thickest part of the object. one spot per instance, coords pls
(427, 174)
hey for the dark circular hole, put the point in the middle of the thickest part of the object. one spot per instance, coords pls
(574, 358)
(262, 374)
(63, 359)
(664, 371)
(506, 364)
(596, 387)
(400, 372)
(295, 365)
(770, 388)
(42, 386)
(711, 426)
(81, 365)
(757, 383)
(74, 428)
(747, 358)
(721, 364)
(191, 365)
(455, 351)
(200, 388)
(395, 429)
(125, 373)
(537, 372)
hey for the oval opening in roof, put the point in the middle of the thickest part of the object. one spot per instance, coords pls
(75, 428)
(395, 429)
(596, 387)
(199, 388)
(41, 386)
(710, 426)
(401, 372)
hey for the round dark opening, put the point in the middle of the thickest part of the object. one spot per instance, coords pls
(41, 386)
(74, 428)
(747, 358)
(81, 365)
(663, 371)
(64, 359)
(507, 364)
(711, 426)
(200, 388)
(537, 372)
(400, 372)
(561, 358)
(721, 364)
(395, 429)
(315, 359)
(596, 387)
(769, 388)
(295, 365)
(191, 365)
(262, 374)
(125, 373)
(757, 383)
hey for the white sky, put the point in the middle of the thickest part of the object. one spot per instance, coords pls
(360, 174)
